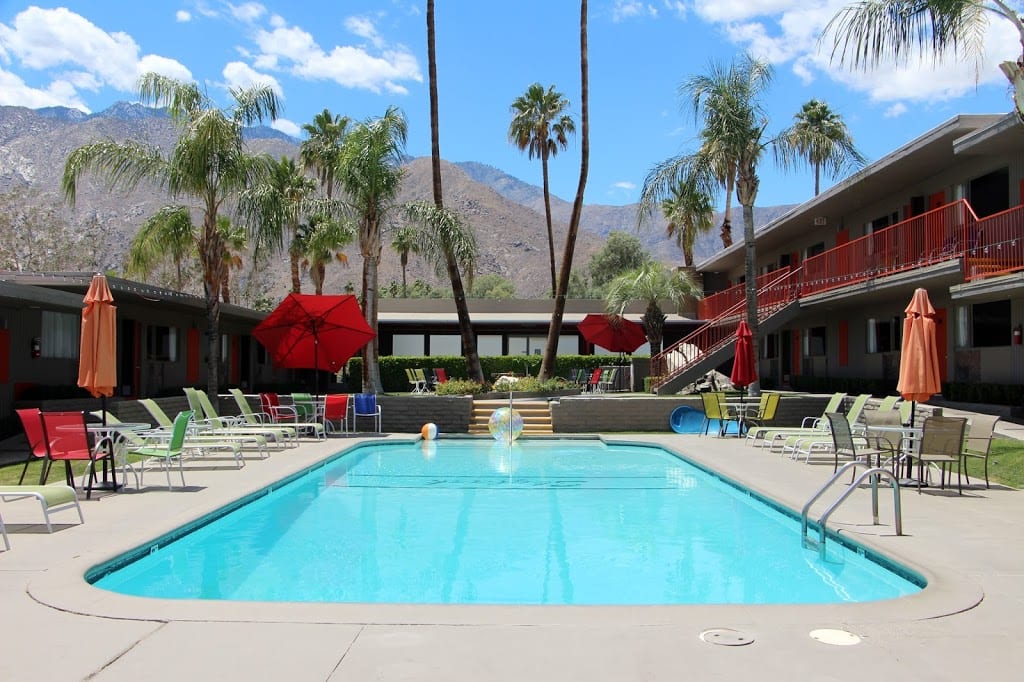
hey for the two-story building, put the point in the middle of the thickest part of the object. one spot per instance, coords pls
(943, 212)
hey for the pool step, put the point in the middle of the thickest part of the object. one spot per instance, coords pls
(536, 416)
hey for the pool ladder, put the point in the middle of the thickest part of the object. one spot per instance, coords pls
(874, 474)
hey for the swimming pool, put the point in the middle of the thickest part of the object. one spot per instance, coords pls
(475, 522)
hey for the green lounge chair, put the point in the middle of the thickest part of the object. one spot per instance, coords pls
(820, 441)
(52, 498)
(251, 418)
(763, 435)
(200, 403)
(306, 415)
(203, 442)
(166, 451)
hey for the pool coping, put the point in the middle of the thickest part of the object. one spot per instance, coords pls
(62, 586)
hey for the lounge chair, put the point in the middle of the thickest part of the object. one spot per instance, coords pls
(978, 441)
(52, 498)
(251, 418)
(200, 441)
(761, 435)
(206, 414)
(416, 386)
(797, 444)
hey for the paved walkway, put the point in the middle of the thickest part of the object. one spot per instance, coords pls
(964, 625)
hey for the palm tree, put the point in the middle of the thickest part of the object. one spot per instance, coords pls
(820, 137)
(235, 241)
(370, 173)
(689, 212)
(443, 238)
(208, 163)
(732, 141)
(274, 208)
(322, 242)
(871, 31)
(541, 127)
(166, 235)
(321, 150)
(403, 244)
(442, 226)
(547, 365)
(651, 283)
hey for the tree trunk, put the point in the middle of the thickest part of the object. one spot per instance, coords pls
(746, 190)
(726, 232)
(547, 367)
(547, 215)
(212, 249)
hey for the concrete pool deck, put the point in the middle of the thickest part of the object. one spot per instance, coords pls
(965, 623)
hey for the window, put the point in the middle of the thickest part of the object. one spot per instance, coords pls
(990, 324)
(883, 335)
(445, 344)
(407, 344)
(61, 335)
(815, 250)
(769, 346)
(161, 343)
(814, 341)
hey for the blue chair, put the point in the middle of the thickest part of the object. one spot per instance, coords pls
(365, 405)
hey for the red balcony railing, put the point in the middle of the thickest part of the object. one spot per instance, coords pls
(716, 304)
(933, 237)
(998, 247)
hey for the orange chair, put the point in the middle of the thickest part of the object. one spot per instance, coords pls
(32, 422)
(594, 385)
(336, 411)
(440, 375)
(67, 439)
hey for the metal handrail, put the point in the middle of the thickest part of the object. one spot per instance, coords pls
(873, 473)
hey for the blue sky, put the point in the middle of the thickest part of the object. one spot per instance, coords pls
(358, 57)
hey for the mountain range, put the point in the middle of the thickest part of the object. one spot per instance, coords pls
(506, 213)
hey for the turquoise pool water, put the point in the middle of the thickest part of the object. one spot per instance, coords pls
(475, 522)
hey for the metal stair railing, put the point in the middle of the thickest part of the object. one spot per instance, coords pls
(873, 473)
(720, 331)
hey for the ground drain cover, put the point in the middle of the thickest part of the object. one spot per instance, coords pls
(835, 637)
(726, 637)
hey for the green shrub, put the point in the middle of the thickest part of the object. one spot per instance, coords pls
(460, 387)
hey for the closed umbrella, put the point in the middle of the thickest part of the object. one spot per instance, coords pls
(919, 357)
(97, 362)
(612, 332)
(307, 331)
(744, 365)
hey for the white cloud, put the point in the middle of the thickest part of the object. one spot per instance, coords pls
(182, 16)
(287, 127)
(15, 92)
(48, 40)
(895, 111)
(247, 11)
(722, 11)
(624, 184)
(239, 75)
(675, 7)
(364, 28)
(294, 50)
(631, 9)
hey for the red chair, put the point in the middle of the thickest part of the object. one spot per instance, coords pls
(336, 411)
(67, 439)
(278, 413)
(440, 375)
(32, 422)
(595, 380)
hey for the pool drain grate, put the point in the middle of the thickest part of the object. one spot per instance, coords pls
(835, 637)
(726, 637)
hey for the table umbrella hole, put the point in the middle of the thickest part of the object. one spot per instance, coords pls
(726, 637)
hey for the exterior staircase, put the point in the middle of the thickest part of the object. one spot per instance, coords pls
(536, 416)
(713, 343)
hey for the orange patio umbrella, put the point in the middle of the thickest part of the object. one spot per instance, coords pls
(97, 362)
(919, 359)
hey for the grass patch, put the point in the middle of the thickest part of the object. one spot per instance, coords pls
(1005, 463)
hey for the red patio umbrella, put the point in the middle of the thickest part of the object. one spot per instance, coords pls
(612, 332)
(97, 361)
(744, 365)
(306, 331)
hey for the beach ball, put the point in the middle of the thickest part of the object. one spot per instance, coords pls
(429, 431)
(505, 424)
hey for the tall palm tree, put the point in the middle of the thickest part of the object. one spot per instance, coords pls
(820, 137)
(869, 32)
(651, 283)
(443, 238)
(321, 149)
(404, 243)
(474, 370)
(235, 241)
(322, 242)
(727, 100)
(274, 208)
(370, 173)
(547, 365)
(541, 127)
(689, 212)
(208, 162)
